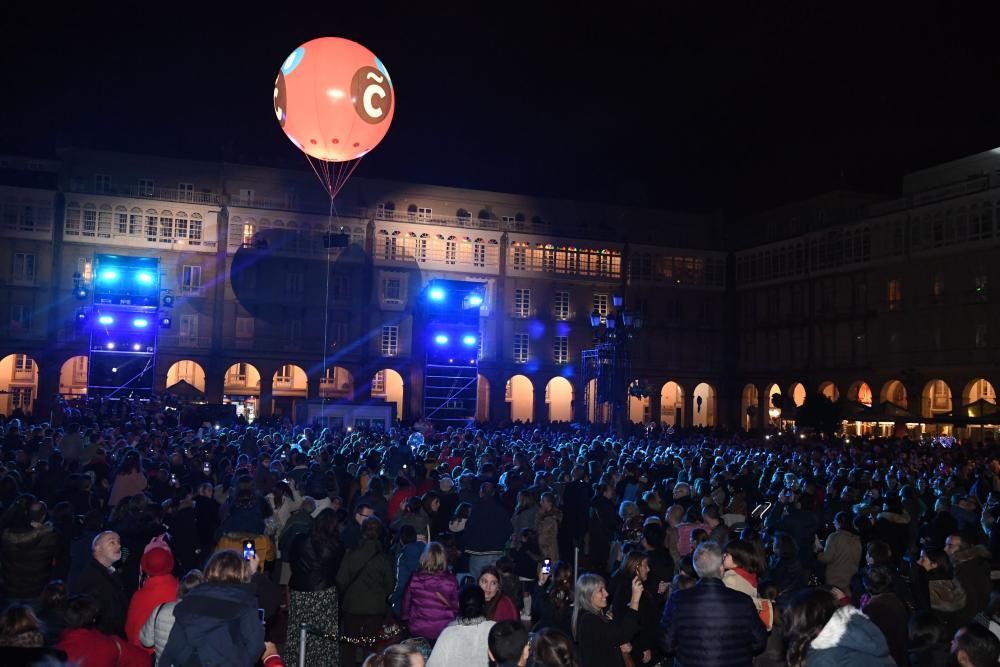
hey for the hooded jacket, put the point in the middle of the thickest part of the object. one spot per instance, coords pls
(430, 603)
(365, 579)
(849, 638)
(216, 625)
(157, 590)
(27, 557)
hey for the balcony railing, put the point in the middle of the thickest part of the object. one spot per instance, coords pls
(165, 194)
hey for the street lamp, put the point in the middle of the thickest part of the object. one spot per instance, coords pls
(608, 361)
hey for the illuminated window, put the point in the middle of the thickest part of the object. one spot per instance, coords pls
(390, 341)
(561, 306)
(560, 349)
(519, 258)
(522, 302)
(191, 279)
(601, 305)
(520, 348)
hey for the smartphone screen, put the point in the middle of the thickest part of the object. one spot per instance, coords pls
(547, 567)
(248, 550)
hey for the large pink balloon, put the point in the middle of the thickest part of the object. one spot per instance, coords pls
(334, 99)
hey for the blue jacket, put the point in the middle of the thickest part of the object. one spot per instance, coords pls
(849, 639)
(710, 624)
(216, 625)
(407, 563)
(488, 527)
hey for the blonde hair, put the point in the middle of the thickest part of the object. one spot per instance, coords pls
(227, 567)
(433, 560)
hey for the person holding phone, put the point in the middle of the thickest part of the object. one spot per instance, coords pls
(636, 565)
(217, 623)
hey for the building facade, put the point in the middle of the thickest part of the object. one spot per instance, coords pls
(871, 302)
(257, 294)
(864, 299)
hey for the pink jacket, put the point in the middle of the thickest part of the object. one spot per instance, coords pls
(430, 603)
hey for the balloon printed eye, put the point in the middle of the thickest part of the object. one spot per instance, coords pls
(371, 94)
(280, 99)
(293, 60)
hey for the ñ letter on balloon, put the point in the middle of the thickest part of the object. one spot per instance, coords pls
(334, 99)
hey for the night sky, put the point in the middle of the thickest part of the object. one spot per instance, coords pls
(690, 106)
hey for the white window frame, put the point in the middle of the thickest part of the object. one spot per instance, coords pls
(522, 302)
(560, 305)
(451, 251)
(24, 269)
(185, 192)
(191, 278)
(390, 341)
(560, 349)
(479, 254)
(602, 304)
(390, 294)
(146, 187)
(424, 214)
(521, 349)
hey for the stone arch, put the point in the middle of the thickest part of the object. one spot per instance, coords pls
(18, 383)
(979, 389)
(73, 376)
(559, 397)
(337, 382)
(387, 384)
(830, 390)
(672, 404)
(894, 391)
(187, 370)
(860, 392)
(704, 405)
(241, 387)
(935, 398)
(797, 392)
(520, 393)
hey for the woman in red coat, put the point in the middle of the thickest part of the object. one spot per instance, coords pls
(430, 601)
(160, 586)
(86, 646)
(498, 607)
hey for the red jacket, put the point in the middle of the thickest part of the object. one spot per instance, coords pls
(157, 590)
(88, 647)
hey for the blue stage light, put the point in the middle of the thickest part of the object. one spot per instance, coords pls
(109, 275)
(475, 300)
(106, 320)
(436, 294)
(469, 340)
(441, 339)
(140, 323)
(110, 346)
(136, 347)
(145, 277)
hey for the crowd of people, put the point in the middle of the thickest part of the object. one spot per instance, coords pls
(132, 536)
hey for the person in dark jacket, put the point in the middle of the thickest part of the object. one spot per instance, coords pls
(487, 530)
(602, 523)
(926, 648)
(100, 581)
(603, 641)
(972, 571)
(216, 623)
(27, 550)
(689, 629)
(365, 580)
(636, 564)
(315, 558)
(886, 611)
(941, 524)
(892, 526)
